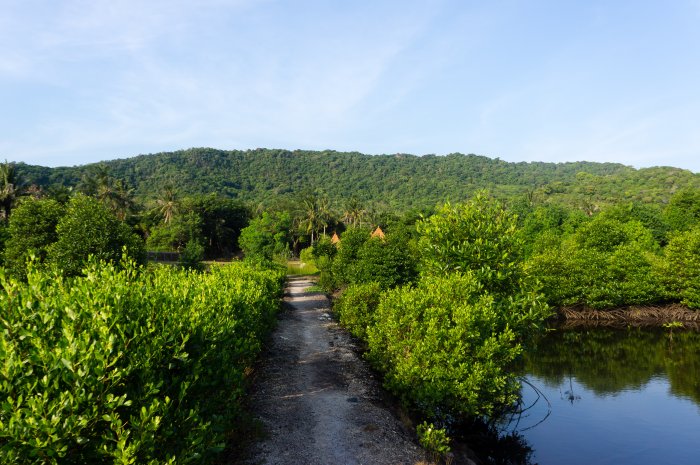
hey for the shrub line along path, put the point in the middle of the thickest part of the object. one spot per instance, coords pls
(318, 402)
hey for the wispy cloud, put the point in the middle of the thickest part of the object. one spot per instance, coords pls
(90, 79)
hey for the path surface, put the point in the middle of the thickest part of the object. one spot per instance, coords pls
(317, 400)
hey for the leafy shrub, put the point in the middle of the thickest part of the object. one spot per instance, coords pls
(683, 210)
(477, 236)
(266, 237)
(89, 229)
(192, 255)
(125, 366)
(307, 256)
(447, 343)
(680, 270)
(326, 280)
(323, 247)
(606, 264)
(390, 262)
(356, 306)
(344, 267)
(31, 229)
(434, 440)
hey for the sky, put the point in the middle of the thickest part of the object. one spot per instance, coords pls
(561, 80)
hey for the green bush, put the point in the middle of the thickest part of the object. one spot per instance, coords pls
(680, 269)
(390, 262)
(344, 267)
(127, 366)
(89, 229)
(434, 440)
(605, 264)
(478, 236)
(356, 306)
(192, 255)
(31, 229)
(446, 344)
(266, 237)
(324, 248)
(307, 256)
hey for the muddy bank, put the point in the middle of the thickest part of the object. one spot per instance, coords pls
(629, 316)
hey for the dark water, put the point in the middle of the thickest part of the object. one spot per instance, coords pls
(610, 396)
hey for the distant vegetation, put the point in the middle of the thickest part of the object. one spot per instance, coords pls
(392, 183)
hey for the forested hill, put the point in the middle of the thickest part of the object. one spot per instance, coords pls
(397, 181)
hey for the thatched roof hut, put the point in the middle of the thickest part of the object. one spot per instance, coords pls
(378, 233)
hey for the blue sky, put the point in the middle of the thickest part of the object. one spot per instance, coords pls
(83, 81)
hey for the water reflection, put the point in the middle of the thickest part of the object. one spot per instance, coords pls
(609, 361)
(612, 396)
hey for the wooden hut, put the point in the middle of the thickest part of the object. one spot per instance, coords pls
(378, 233)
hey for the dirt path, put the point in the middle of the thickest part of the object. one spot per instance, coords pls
(317, 400)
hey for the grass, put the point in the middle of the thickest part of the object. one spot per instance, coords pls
(300, 268)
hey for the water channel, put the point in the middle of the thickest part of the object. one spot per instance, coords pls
(613, 396)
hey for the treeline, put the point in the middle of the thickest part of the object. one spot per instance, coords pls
(60, 227)
(395, 183)
(628, 254)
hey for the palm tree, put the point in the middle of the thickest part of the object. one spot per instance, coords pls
(309, 219)
(325, 215)
(117, 197)
(354, 212)
(113, 193)
(9, 189)
(168, 205)
(93, 180)
(314, 214)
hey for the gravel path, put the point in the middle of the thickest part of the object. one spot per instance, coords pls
(318, 402)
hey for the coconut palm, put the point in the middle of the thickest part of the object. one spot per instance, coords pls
(9, 188)
(167, 204)
(354, 212)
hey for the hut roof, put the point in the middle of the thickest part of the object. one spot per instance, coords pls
(378, 233)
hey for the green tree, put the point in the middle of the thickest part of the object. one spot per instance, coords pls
(390, 262)
(175, 234)
(477, 236)
(354, 212)
(680, 270)
(344, 268)
(266, 237)
(446, 344)
(31, 229)
(683, 210)
(9, 188)
(114, 193)
(192, 255)
(222, 221)
(89, 228)
(167, 204)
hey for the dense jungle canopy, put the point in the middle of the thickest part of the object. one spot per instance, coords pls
(397, 182)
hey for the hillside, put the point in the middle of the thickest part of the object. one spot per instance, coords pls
(397, 181)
